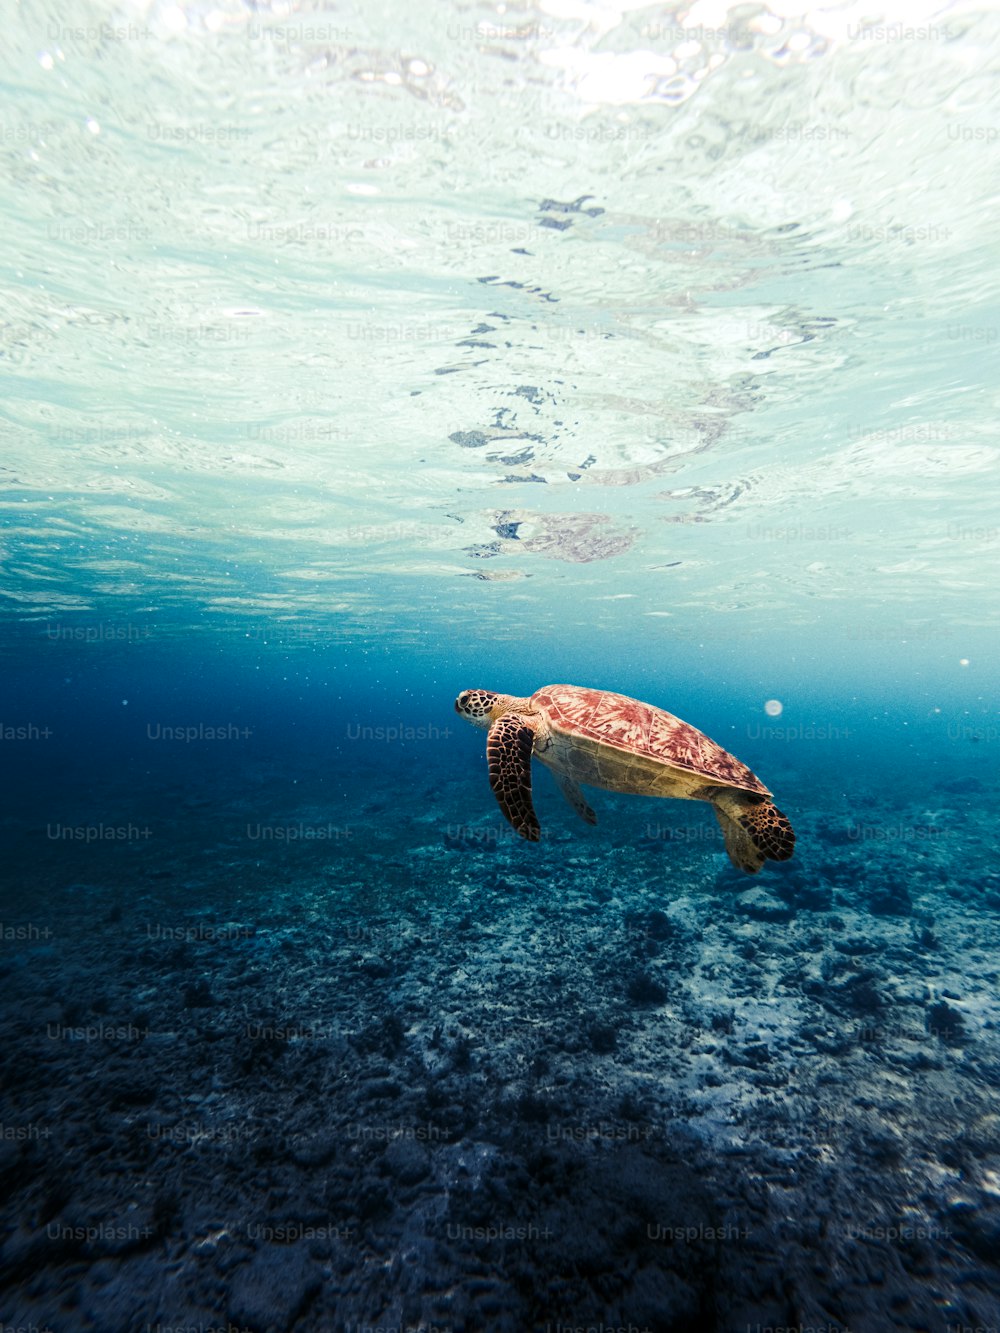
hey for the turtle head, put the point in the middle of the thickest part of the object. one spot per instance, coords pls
(481, 707)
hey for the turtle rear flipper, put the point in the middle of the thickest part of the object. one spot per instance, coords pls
(508, 753)
(571, 790)
(754, 828)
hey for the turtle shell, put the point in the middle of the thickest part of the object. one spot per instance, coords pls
(638, 728)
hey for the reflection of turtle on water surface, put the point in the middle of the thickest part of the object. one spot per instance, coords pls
(611, 741)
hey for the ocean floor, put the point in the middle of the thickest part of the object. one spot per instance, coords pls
(411, 1073)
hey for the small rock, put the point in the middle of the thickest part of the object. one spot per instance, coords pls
(855, 997)
(376, 968)
(763, 906)
(274, 1289)
(132, 1229)
(977, 1228)
(379, 1089)
(892, 900)
(644, 989)
(654, 924)
(603, 1038)
(407, 1161)
(806, 897)
(315, 1149)
(857, 944)
(657, 1295)
(752, 1055)
(198, 995)
(946, 1023)
(829, 1041)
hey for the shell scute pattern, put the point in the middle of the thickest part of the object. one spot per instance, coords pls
(639, 728)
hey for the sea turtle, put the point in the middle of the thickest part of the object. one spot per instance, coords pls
(611, 741)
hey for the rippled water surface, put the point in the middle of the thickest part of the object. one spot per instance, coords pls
(664, 321)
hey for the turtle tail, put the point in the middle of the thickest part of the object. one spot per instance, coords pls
(754, 829)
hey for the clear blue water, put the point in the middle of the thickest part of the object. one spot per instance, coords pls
(353, 357)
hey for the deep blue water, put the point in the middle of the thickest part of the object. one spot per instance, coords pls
(297, 1034)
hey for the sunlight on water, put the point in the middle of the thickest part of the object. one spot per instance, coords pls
(338, 310)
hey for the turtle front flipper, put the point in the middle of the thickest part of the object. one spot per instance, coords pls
(508, 753)
(769, 830)
(571, 790)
